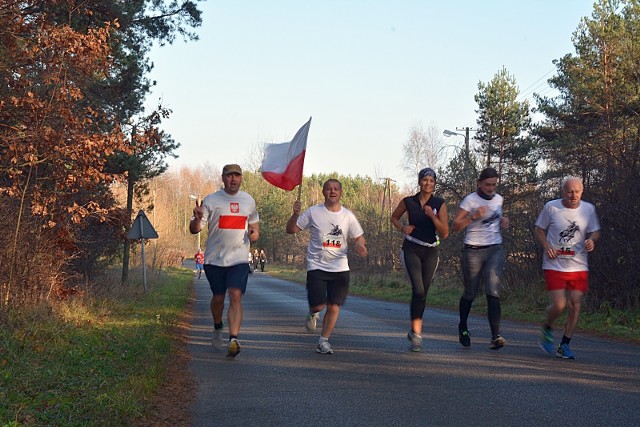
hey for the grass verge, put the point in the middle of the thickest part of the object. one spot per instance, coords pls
(90, 361)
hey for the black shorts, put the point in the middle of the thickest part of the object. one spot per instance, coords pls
(325, 286)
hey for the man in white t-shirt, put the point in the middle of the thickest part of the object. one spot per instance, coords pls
(232, 221)
(567, 229)
(330, 225)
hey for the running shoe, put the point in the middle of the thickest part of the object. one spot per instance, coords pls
(324, 347)
(497, 342)
(217, 341)
(416, 341)
(565, 352)
(233, 348)
(464, 338)
(546, 341)
(311, 322)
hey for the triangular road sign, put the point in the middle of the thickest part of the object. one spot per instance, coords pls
(142, 228)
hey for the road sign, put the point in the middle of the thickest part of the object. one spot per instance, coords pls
(142, 228)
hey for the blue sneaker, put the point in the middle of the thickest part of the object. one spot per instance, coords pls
(565, 352)
(546, 341)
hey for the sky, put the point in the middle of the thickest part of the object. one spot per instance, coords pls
(366, 71)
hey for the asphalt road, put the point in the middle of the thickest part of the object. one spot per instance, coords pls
(373, 380)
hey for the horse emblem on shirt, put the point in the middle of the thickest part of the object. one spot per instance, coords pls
(335, 231)
(568, 233)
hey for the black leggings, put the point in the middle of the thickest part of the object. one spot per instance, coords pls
(420, 264)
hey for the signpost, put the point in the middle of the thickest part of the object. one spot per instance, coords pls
(142, 229)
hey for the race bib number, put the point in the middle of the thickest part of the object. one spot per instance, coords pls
(332, 243)
(565, 251)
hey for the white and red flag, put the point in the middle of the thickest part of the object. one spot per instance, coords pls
(282, 163)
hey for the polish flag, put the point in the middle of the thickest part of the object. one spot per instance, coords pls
(282, 163)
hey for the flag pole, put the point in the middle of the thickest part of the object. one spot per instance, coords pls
(302, 176)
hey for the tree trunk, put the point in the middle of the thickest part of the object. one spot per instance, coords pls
(127, 243)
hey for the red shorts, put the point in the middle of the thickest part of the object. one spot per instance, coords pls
(556, 280)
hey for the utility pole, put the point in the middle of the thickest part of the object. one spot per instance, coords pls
(386, 200)
(385, 220)
(131, 180)
(468, 178)
(466, 148)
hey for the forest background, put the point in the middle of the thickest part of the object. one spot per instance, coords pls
(80, 155)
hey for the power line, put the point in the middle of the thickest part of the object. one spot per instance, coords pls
(536, 82)
(535, 86)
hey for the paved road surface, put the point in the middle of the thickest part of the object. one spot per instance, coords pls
(373, 380)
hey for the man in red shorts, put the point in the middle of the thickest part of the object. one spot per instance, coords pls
(567, 229)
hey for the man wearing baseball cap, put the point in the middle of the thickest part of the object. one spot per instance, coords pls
(233, 223)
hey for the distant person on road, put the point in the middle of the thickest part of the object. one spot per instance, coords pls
(199, 259)
(420, 255)
(330, 225)
(256, 259)
(263, 259)
(567, 229)
(233, 223)
(482, 256)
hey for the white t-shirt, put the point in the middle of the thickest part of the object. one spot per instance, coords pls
(228, 217)
(567, 229)
(329, 231)
(486, 230)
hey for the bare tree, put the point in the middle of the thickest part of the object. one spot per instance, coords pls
(421, 149)
(255, 154)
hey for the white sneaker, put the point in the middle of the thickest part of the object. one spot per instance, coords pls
(324, 347)
(416, 341)
(218, 341)
(311, 322)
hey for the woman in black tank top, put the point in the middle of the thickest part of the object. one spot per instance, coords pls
(427, 224)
